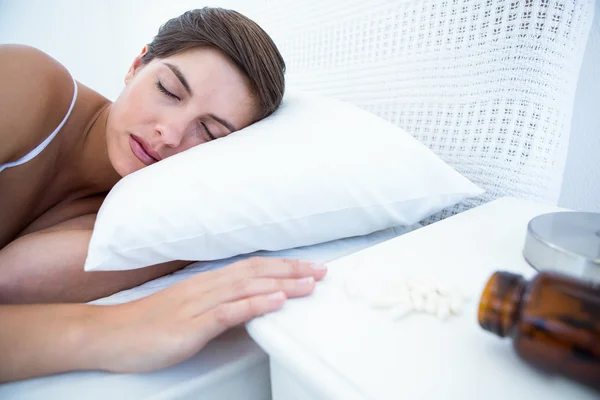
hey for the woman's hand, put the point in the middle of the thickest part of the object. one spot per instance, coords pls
(172, 325)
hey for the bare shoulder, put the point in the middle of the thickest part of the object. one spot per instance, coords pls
(36, 94)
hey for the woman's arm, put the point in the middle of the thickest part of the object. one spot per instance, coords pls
(38, 340)
(151, 333)
(47, 267)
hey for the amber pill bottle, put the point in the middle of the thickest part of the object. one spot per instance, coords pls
(552, 319)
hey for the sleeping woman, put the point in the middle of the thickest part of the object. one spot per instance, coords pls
(63, 146)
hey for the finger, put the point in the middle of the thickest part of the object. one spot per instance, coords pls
(255, 287)
(256, 267)
(227, 315)
(264, 267)
(279, 268)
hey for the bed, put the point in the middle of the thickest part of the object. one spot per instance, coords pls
(487, 85)
(231, 367)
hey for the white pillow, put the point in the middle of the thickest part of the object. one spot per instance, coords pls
(316, 170)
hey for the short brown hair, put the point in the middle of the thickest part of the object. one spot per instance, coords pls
(239, 38)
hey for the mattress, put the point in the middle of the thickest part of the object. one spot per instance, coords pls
(232, 366)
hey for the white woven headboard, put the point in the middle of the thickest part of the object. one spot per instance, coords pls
(486, 84)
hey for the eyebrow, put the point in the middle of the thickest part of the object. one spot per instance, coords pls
(188, 89)
(180, 76)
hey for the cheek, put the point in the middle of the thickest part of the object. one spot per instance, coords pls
(135, 107)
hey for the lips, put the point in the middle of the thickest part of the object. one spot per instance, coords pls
(143, 151)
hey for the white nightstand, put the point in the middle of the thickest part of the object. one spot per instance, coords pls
(330, 346)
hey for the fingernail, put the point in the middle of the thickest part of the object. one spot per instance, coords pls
(306, 281)
(318, 266)
(277, 296)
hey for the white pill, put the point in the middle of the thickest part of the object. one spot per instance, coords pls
(400, 311)
(428, 287)
(443, 309)
(467, 296)
(456, 304)
(370, 292)
(389, 297)
(431, 303)
(417, 299)
(443, 289)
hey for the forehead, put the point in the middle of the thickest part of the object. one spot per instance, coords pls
(214, 80)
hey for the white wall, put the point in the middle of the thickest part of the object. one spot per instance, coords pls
(95, 39)
(581, 186)
(98, 39)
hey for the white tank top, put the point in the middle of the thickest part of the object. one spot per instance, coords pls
(45, 143)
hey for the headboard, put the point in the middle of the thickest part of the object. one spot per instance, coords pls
(486, 84)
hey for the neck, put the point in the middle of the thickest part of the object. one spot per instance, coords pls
(91, 171)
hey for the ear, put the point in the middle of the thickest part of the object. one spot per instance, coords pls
(135, 65)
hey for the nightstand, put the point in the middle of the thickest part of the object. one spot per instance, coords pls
(331, 346)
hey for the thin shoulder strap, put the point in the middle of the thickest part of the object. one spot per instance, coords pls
(45, 143)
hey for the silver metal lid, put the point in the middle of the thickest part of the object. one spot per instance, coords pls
(566, 242)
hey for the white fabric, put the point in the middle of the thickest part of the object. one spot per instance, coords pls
(38, 149)
(316, 170)
(230, 367)
(322, 252)
(488, 85)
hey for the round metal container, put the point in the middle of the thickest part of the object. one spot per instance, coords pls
(566, 242)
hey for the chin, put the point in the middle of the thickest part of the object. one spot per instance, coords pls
(126, 170)
(124, 165)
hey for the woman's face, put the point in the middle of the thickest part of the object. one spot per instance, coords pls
(175, 103)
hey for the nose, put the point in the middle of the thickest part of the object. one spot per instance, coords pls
(171, 133)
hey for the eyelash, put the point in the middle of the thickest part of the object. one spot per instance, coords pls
(210, 135)
(165, 91)
(169, 94)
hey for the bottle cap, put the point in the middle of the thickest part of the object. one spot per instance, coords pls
(566, 242)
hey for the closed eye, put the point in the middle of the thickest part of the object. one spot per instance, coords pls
(210, 135)
(165, 91)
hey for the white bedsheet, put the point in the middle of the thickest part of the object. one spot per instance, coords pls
(322, 252)
(232, 366)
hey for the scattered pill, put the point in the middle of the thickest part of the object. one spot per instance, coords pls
(431, 303)
(417, 299)
(401, 296)
(400, 311)
(456, 304)
(443, 309)
(443, 289)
